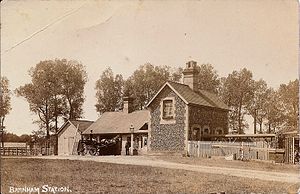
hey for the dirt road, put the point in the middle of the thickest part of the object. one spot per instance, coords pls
(148, 161)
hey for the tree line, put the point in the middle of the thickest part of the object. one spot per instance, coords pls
(272, 109)
(56, 93)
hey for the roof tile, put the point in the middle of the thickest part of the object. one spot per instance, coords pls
(119, 122)
(203, 98)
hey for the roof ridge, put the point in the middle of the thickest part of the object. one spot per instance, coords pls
(178, 83)
(199, 94)
(81, 120)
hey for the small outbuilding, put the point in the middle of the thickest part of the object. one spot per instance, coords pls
(291, 146)
(69, 135)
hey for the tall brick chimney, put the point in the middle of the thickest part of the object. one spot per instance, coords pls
(127, 104)
(190, 75)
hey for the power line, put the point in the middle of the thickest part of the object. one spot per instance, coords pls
(44, 28)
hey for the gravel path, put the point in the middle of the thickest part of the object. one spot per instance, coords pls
(147, 161)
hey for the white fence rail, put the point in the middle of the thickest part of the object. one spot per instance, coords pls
(242, 150)
(15, 151)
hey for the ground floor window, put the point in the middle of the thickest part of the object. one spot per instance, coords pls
(206, 130)
(194, 133)
(219, 131)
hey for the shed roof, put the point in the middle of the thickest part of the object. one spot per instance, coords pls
(189, 96)
(80, 124)
(119, 122)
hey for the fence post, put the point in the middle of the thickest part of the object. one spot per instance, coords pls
(188, 148)
(198, 149)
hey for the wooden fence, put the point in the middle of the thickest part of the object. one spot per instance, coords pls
(25, 151)
(240, 150)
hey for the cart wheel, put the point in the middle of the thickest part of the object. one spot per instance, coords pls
(92, 152)
(83, 152)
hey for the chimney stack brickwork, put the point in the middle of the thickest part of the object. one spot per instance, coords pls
(190, 75)
(127, 104)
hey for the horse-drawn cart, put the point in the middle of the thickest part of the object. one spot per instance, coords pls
(104, 147)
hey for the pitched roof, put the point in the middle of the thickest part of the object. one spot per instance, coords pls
(214, 99)
(189, 96)
(80, 124)
(119, 122)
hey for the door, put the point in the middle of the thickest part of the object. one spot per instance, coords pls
(65, 146)
(70, 145)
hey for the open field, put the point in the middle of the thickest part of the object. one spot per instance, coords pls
(97, 177)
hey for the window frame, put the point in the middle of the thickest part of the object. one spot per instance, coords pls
(169, 119)
(218, 130)
(168, 104)
(206, 127)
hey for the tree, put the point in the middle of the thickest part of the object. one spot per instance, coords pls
(4, 104)
(237, 92)
(55, 91)
(142, 86)
(289, 100)
(109, 91)
(5, 95)
(257, 104)
(273, 111)
(41, 94)
(73, 79)
(208, 78)
(146, 81)
(176, 74)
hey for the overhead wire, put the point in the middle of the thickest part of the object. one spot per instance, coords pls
(44, 28)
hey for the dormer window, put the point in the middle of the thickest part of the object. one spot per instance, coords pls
(168, 109)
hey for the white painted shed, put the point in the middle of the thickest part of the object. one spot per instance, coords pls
(69, 135)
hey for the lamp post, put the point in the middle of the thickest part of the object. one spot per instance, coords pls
(131, 143)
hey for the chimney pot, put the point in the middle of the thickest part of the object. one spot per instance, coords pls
(190, 75)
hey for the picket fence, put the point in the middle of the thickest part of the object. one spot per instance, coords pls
(238, 150)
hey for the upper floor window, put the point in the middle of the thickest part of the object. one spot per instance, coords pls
(168, 109)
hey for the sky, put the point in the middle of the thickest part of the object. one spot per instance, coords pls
(259, 35)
